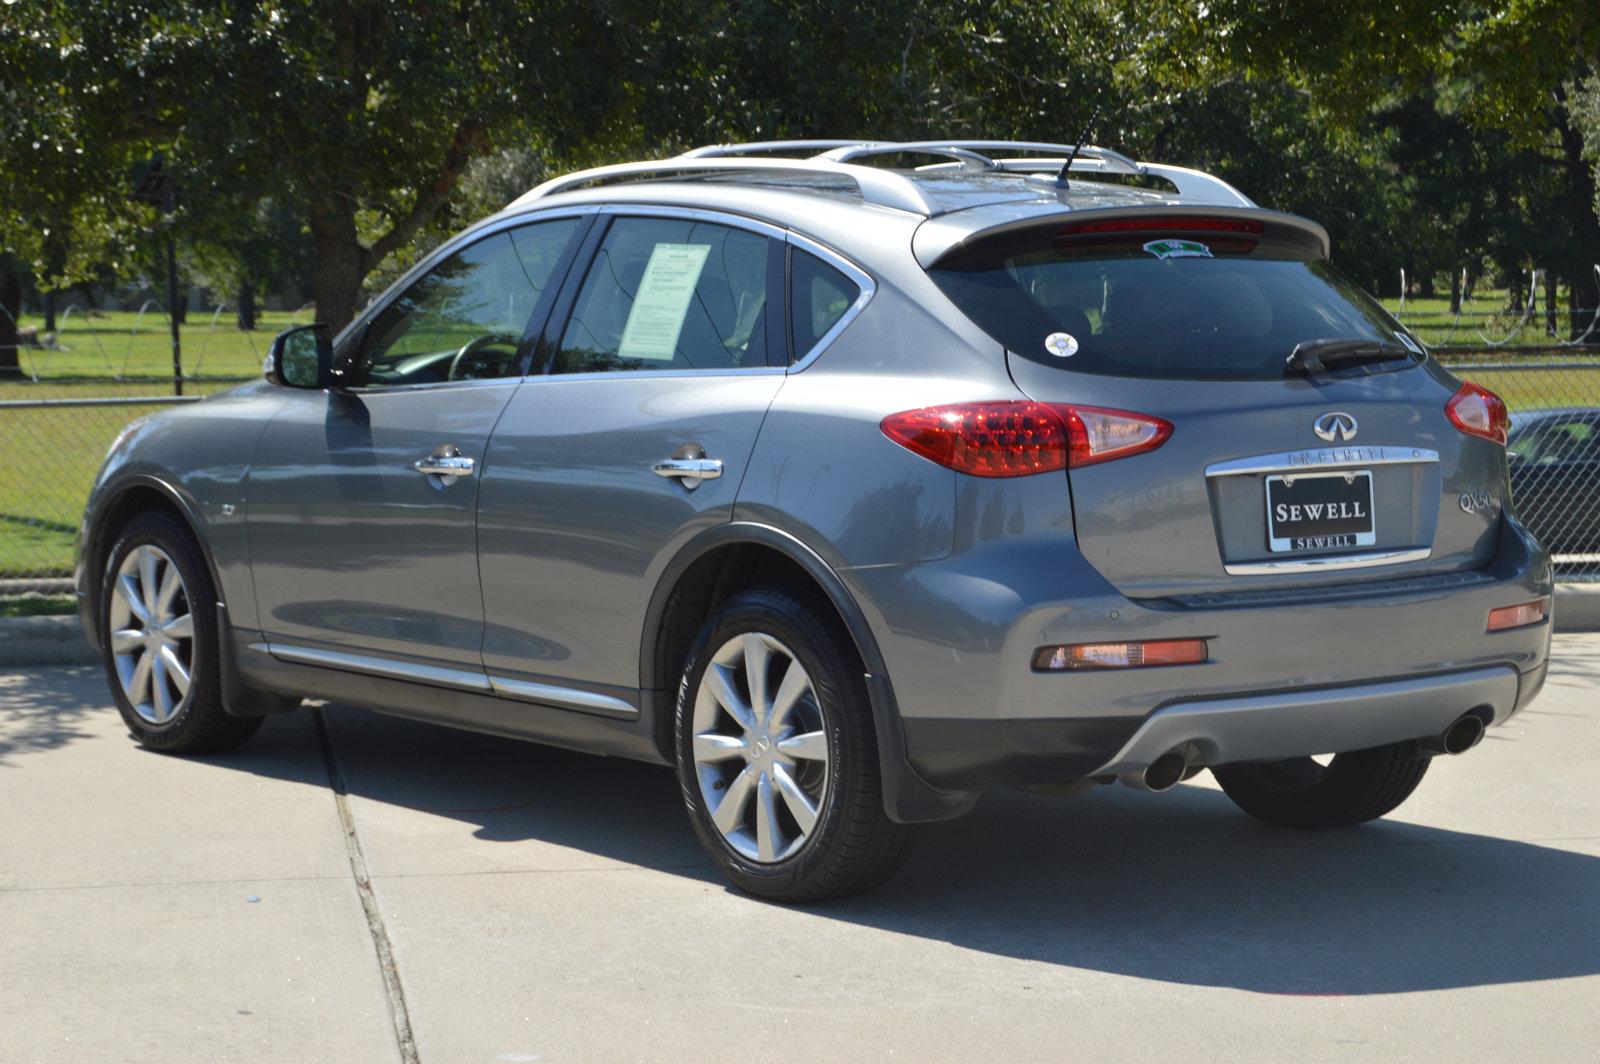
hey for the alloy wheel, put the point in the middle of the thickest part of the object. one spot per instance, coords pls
(152, 634)
(760, 747)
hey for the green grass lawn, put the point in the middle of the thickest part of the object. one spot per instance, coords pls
(39, 513)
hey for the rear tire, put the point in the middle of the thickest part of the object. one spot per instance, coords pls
(1352, 789)
(159, 642)
(796, 753)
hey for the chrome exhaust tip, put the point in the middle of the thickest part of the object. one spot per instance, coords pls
(1465, 732)
(1162, 774)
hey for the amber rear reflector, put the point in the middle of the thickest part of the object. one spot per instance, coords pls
(1518, 616)
(1081, 656)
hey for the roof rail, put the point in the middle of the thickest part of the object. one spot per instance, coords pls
(764, 147)
(886, 188)
(889, 188)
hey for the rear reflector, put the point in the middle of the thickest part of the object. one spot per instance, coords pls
(1518, 616)
(1477, 411)
(1016, 438)
(1119, 655)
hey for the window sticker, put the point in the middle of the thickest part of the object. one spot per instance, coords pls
(1178, 249)
(1060, 344)
(662, 301)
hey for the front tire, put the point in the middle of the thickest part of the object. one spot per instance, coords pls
(158, 639)
(777, 754)
(1353, 788)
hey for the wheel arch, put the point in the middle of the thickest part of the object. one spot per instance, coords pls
(136, 494)
(730, 558)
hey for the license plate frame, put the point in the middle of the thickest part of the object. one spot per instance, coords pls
(1302, 534)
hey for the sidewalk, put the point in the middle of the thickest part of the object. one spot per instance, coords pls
(547, 906)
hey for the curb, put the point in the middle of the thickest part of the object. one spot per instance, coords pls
(1577, 608)
(27, 641)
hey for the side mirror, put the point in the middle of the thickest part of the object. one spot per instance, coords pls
(300, 358)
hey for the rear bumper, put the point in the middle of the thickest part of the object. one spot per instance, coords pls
(1350, 666)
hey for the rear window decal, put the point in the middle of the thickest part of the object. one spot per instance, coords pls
(1060, 344)
(1178, 249)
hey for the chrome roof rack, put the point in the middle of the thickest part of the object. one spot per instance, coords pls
(892, 188)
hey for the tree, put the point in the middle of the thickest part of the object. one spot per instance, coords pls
(360, 115)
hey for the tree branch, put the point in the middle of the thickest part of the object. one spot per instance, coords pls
(470, 138)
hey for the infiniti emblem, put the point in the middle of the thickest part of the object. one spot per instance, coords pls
(1335, 425)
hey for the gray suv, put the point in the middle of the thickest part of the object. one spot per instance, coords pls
(853, 480)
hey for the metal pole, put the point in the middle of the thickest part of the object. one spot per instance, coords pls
(172, 289)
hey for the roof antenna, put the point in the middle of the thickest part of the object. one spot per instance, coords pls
(1061, 178)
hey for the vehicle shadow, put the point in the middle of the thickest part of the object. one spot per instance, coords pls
(1178, 887)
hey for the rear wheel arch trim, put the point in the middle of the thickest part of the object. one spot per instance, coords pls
(907, 798)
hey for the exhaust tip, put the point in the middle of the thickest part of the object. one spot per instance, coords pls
(1165, 772)
(1463, 735)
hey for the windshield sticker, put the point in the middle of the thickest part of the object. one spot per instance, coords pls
(1062, 345)
(662, 301)
(1178, 249)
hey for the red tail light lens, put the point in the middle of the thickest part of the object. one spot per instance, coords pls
(1479, 412)
(1020, 438)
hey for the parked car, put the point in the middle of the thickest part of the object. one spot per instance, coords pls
(853, 485)
(1555, 478)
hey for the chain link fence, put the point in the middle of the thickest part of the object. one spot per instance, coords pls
(51, 447)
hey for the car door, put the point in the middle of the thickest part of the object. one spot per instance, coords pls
(632, 441)
(362, 501)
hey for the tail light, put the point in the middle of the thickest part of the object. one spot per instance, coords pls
(1075, 657)
(1479, 412)
(1018, 438)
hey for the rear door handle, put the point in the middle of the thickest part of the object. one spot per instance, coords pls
(689, 471)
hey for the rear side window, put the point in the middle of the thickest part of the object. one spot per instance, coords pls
(819, 295)
(1146, 305)
(669, 293)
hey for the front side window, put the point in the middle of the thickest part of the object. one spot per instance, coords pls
(670, 293)
(466, 318)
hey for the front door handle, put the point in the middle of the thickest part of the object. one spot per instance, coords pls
(689, 471)
(446, 461)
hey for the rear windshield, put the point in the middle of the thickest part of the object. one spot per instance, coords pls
(1150, 305)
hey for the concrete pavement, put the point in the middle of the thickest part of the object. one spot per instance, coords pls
(530, 904)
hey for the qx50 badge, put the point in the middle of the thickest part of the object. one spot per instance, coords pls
(1335, 425)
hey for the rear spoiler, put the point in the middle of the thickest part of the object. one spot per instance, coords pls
(954, 234)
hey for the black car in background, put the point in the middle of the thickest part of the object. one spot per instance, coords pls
(1555, 477)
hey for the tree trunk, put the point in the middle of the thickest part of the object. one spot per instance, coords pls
(247, 307)
(1425, 285)
(49, 311)
(1455, 292)
(341, 265)
(10, 309)
(1551, 322)
(1584, 292)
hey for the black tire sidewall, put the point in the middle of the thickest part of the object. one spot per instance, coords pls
(797, 625)
(158, 530)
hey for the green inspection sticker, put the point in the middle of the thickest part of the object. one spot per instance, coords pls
(1178, 249)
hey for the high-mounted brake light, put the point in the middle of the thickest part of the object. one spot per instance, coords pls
(1165, 222)
(1017, 438)
(1477, 411)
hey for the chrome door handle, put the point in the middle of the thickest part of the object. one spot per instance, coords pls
(689, 471)
(446, 461)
